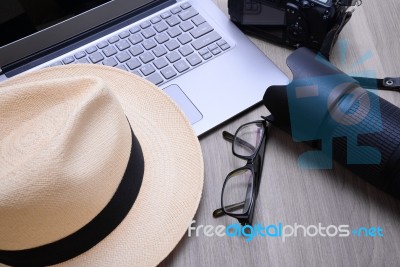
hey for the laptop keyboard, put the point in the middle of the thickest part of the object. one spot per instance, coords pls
(159, 49)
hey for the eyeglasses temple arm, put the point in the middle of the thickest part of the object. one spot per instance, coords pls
(220, 212)
(229, 137)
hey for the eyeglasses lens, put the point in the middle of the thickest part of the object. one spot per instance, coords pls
(237, 193)
(247, 139)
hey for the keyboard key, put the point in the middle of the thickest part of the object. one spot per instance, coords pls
(225, 46)
(82, 61)
(166, 15)
(57, 63)
(80, 54)
(161, 26)
(122, 57)
(155, 78)
(155, 20)
(168, 72)
(161, 38)
(184, 38)
(123, 34)
(122, 45)
(149, 32)
(133, 64)
(194, 59)
(172, 21)
(201, 30)
(91, 49)
(212, 47)
(96, 57)
(109, 51)
(221, 42)
(203, 51)
(172, 45)
(185, 5)
(147, 69)
(206, 40)
(149, 44)
(102, 44)
(145, 24)
(206, 55)
(68, 60)
(174, 31)
(176, 10)
(181, 66)
(197, 20)
(188, 13)
(216, 51)
(137, 73)
(113, 39)
(160, 63)
(186, 50)
(122, 67)
(146, 57)
(135, 39)
(173, 56)
(110, 62)
(186, 26)
(134, 29)
(159, 51)
(136, 50)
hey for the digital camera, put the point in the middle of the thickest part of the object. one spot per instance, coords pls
(292, 22)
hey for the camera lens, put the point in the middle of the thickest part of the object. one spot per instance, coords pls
(354, 126)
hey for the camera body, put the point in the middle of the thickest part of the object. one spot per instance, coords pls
(294, 23)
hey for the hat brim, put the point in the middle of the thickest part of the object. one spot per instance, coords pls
(173, 177)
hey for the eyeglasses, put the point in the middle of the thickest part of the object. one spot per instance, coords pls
(240, 189)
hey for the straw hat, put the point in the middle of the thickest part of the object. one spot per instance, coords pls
(97, 167)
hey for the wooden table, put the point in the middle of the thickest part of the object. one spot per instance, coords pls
(289, 194)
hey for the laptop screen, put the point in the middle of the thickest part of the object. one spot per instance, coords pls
(19, 18)
(30, 27)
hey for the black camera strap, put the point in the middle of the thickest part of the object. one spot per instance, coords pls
(388, 84)
(332, 36)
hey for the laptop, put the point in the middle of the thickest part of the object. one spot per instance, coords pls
(189, 49)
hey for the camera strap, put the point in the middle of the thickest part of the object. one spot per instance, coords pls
(388, 84)
(332, 36)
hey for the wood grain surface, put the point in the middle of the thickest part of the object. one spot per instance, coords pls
(289, 194)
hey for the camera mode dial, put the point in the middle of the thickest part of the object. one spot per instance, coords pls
(305, 4)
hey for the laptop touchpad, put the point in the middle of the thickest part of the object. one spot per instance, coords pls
(184, 103)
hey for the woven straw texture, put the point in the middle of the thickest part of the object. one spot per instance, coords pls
(172, 182)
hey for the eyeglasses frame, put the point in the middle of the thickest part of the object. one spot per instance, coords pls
(255, 164)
